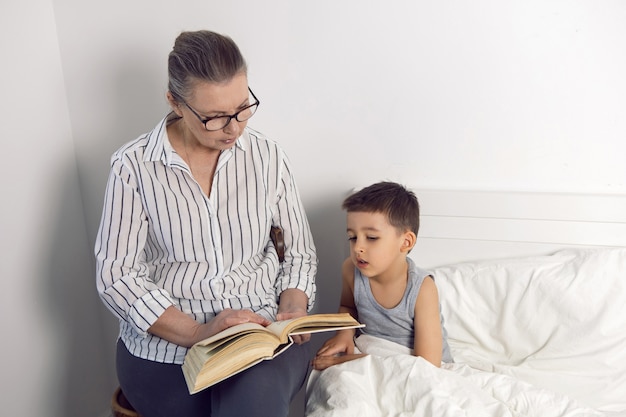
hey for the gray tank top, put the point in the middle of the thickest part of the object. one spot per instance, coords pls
(394, 324)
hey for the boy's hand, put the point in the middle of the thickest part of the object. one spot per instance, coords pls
(337, 349)
(342, 342)
(322, 362)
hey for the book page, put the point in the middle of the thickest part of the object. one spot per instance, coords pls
(233, 331)
(319, 329)
(205, 368)
(280, 328)
(312, 324)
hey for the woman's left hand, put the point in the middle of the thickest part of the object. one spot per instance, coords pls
(293, 304)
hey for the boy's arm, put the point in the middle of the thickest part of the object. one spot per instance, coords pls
(346, 303)
(427, 323)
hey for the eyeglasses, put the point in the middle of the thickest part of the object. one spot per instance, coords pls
(220, 122)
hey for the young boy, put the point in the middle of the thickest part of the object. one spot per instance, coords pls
(382, 287)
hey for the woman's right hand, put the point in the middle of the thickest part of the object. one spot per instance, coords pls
(177, 327)
(229, 317)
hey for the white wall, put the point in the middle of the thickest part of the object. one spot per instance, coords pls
(50, 323)
(488, 94)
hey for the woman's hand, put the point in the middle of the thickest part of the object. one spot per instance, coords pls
(229, 318)
(293, 304)
(177, 327)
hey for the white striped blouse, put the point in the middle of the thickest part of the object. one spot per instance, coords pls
(163, 242)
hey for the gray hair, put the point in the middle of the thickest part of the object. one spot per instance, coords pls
(202, 56)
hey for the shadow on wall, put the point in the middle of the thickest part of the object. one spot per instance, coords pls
(69, 293)
(328, 225)
(139, 93)
(327, 222)
(137, 103)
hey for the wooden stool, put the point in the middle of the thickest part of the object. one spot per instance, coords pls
(120, 405)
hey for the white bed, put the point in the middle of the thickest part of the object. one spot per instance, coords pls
(533, 292)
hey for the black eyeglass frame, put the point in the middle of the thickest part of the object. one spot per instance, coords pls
(229, 116)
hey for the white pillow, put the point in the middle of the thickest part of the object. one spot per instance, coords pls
(557, 321)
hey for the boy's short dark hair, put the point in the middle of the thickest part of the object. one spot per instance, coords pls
(391, 199)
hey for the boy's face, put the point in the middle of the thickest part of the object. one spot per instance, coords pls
(374, 243)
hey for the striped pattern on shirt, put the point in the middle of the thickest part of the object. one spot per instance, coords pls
(163, 242)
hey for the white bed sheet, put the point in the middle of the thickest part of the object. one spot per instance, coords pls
(533, 336)
(392, 382)
(556, 321)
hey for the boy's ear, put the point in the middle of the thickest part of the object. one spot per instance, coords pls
(409, 239)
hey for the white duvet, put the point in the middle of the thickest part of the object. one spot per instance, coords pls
(539, 336)
(392, 382)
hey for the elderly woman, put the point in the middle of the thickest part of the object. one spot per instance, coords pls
(184, 251)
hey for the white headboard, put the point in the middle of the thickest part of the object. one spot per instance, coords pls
(459, 226)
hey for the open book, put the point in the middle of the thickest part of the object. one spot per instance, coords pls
(240, 347)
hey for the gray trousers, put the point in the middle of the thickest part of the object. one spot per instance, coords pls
(159, 390)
